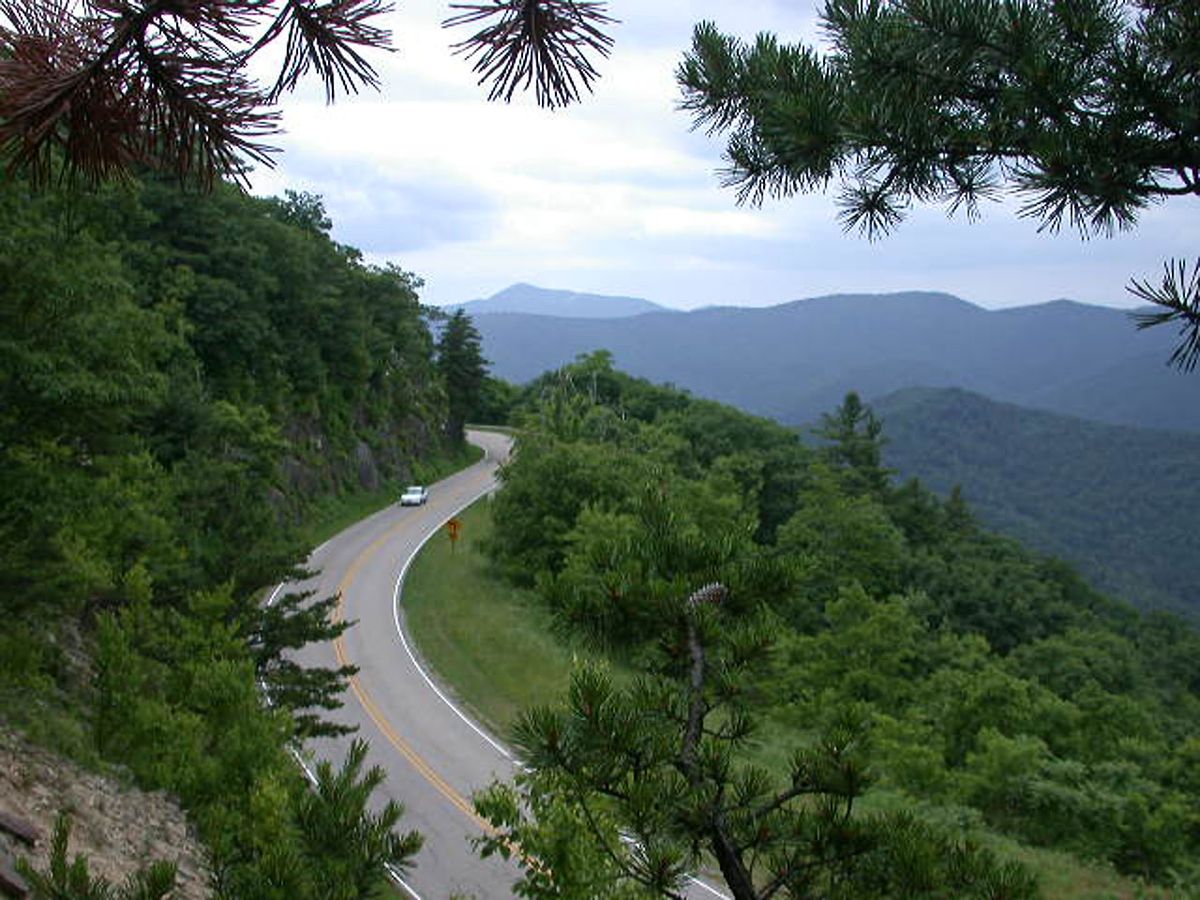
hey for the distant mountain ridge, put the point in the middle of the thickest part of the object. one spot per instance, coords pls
(1121, 503)
(797, 360)
(533, 300)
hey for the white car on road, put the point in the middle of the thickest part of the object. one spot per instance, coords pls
(414, 495)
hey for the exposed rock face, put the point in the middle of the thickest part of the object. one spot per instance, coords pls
(368, 472)
(118, 829)
(316, 465)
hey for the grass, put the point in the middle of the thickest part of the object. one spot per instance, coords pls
(428, 471)
(44, 690)
(494, 646)
(50, 717)
(1062, 875)
(492, 643)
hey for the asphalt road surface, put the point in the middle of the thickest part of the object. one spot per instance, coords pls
(434, 756)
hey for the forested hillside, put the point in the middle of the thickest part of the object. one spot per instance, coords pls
(182, 376)
(1121, 503)
(845, 682)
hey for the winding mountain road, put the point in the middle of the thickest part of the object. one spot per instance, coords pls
(435, 756)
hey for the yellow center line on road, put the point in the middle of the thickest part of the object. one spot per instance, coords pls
(371, 707)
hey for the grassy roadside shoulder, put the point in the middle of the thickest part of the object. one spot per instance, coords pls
(491, 642)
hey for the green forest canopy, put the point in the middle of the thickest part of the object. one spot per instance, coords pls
(1120, 503)
(182, 377)
(980, 683)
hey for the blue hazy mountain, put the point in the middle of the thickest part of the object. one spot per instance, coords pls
(796, 360)
(527, 298)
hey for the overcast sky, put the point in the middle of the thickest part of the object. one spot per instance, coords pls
(618, 196)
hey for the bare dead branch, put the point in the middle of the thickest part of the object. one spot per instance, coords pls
(98, 87)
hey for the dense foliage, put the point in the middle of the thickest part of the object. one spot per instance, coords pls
(976, 681)
(181, 377)
(177, 382)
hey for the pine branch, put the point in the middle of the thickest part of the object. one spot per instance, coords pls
(1178, 295)
(323, 37)
(546, 44)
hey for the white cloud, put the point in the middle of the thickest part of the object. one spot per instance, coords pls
(617, 195)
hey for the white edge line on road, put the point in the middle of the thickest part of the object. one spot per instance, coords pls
(631, 841)
(708, 887)
(495, 745)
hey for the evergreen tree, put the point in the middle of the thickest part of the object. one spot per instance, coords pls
(64, 880)
(463, 370)
(655, 774)
(1087, 110)
(351, 845)
(289, 624)
(854, 448)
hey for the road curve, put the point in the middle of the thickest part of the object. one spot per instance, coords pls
(434, 758)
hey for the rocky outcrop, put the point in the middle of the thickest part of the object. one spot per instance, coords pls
(119, 829)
